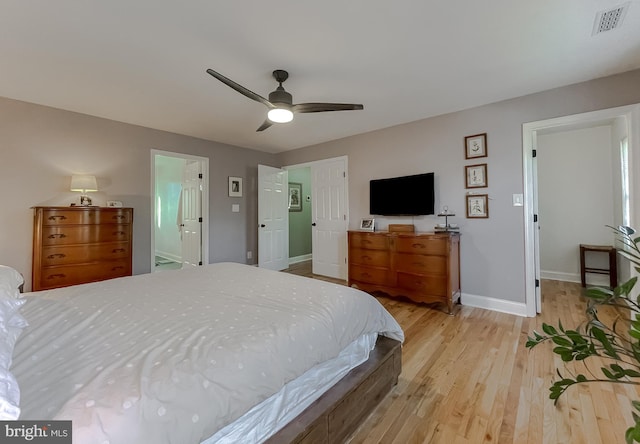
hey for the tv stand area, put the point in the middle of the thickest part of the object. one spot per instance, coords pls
(424, 267)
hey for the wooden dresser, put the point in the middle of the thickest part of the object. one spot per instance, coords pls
(76, 245)
(424, 267)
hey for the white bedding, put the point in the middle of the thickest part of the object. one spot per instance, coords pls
(173, 357)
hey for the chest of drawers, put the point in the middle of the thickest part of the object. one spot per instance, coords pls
(424, 267)
(76, 245)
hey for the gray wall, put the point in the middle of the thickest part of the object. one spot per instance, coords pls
(40, 147)
(300, 221)
(492, 250)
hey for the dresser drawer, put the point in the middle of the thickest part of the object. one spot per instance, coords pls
(76, 254)
(422, 245)
(368, 241)
(432, 285)
(84, 234)
(65, 275)
(85, 216)
(379, 276)
(377, 258)
(421, 264)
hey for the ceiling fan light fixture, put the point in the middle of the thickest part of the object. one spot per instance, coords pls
(280, 115)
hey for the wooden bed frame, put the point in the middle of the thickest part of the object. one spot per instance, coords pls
(338, 412)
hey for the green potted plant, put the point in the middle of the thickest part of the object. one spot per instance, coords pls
(617, 345)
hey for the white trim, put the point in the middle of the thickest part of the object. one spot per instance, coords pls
(298, 259)
(528, 131)
(493, 304)
(205, 201)
(560, 276)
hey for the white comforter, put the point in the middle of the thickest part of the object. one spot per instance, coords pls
(172, 357)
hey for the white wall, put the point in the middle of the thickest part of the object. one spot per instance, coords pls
(575, 200)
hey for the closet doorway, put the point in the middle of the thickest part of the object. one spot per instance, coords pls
(179, 226)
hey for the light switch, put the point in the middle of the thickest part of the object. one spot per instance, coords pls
(518, 200)
(235, 208)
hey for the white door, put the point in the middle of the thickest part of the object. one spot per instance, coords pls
(191, 224)
(329, 218)
(273, 218)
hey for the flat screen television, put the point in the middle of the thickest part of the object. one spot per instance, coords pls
(402, 196)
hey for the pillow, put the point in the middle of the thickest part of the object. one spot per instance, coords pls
(10, 282)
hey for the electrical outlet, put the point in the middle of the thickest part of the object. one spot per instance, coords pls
(249, 254)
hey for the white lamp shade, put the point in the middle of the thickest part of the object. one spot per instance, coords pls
(280, 115)
(83, 183)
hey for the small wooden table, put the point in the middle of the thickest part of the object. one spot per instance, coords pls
(612, 271)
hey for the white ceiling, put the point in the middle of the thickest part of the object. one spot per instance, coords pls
(143, 61)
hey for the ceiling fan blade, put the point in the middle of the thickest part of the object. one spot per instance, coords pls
(267, 123)
(322, 107)
(241, 89)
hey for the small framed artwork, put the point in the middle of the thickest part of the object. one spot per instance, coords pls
(367, 224)
(235, 186)
(476, 176)
(475, 146)
(478, 206)
(295, 196)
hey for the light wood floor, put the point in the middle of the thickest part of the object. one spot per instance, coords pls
(468, 378)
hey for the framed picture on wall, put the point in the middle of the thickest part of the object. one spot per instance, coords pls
(477, 206)
(295, 196)
(476, 176)
(475, 146)
(235, 186)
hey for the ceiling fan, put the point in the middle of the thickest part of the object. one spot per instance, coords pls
(280, 103)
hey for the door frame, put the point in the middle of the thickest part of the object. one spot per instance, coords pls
(529, 130)
(310, 164)
(204, 164)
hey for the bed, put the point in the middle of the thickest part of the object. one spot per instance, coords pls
(216, 354)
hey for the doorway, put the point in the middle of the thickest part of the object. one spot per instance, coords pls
(623, 122)
(179, 204)
(318, 231)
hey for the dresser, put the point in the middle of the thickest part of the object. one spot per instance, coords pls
(424, 267)
(76, 245)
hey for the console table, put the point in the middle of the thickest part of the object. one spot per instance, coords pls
(424, 267)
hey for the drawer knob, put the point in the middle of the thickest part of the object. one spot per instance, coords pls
(417, 245)
(118, 250)
(57, 236)
(55, 218)
(365, 275)
(119, 217)
(56, 256)
(118, 233)
(56, 276)
(119, 267)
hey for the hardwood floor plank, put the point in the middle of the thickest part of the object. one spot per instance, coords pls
(468, 378)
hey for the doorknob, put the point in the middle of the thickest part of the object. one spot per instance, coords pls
(262, 225)
(313, 224)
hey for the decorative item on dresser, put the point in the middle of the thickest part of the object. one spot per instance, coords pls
(424, 267)
(76, 245)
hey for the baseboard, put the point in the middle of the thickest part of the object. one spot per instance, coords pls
(592, 278)
(171, 257)
(298, 259)
(500, 305)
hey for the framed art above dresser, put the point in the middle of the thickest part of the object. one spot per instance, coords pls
(76, 245)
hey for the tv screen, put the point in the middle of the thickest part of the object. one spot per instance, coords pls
(402, 196)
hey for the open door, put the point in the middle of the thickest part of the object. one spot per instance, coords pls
(273, 218)
(329, 218)
(191, 214)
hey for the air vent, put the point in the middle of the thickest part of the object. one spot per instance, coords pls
(609, 19)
